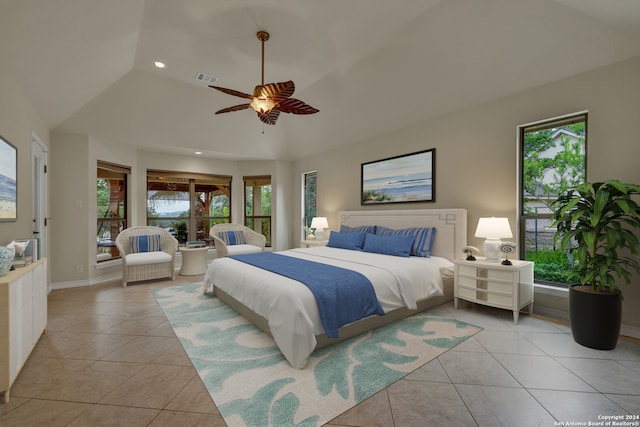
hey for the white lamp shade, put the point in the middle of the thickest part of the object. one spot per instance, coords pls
(319, 223)
(493, 229)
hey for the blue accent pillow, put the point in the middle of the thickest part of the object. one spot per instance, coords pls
(232, 237)
(397, 245)
(423, 238)
(353, 241)
(147, 243)
(360, 229)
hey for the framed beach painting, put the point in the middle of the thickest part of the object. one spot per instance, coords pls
(8, 176)
(400, 179)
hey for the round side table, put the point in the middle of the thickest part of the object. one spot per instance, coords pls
(194, 261)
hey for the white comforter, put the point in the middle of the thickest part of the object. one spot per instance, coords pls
(290, 307)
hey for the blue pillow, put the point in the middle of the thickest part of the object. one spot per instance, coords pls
(397, 245)
(232, 237)
(360, 229)
(353, 241)
(147, 243)
(423, 238)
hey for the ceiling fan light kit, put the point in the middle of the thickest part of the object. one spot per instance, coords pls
(268, 100)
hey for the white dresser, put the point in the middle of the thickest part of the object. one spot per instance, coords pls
(23, 318)
(494, 284)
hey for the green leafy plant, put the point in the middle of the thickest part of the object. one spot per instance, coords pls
(598, 222)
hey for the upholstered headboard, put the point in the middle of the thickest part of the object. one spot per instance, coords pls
(450, 224)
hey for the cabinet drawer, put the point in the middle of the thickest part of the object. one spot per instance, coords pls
(505, 288)
(494, 299)
(492, 274)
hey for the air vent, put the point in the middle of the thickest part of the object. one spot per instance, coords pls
(206, 78)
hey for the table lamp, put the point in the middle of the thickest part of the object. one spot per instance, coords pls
(319, 223)
(493, 229)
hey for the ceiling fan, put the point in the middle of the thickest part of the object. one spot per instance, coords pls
(269, 100)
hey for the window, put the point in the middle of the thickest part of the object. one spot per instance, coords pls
(112, 207)
(257, 205)
(309, 200)
(188, 204)
(552, 159)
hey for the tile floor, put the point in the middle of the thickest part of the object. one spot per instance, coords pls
(109, 358)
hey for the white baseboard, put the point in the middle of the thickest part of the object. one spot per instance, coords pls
(551, 313)
(630, 331)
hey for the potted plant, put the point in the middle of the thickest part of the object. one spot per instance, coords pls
(597, 223)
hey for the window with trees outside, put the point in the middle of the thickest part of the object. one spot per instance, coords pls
(552, 160)
(309, 200)
(188, 204)
(112, 201)
(257, 204)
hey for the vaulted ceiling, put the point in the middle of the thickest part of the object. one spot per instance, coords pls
(369, 66)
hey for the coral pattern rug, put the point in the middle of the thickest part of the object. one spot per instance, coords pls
(252, 384)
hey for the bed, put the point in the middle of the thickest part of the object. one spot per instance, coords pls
(287, 310)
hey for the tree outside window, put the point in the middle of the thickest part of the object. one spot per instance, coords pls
(257, 205)
(309, 196)
(553, 159)
(186, 204)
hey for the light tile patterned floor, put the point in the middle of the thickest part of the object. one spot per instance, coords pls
(109, 357)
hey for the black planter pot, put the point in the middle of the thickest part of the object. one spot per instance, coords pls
(595, 317)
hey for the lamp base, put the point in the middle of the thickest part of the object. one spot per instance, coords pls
(319, 234)
(492, 249)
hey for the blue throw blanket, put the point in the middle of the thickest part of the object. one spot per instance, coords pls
(343, 295)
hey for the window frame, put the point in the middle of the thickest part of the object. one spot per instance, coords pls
(225, 181)
(258, 181)
(121, 222)
(522, 215)
(306, 220)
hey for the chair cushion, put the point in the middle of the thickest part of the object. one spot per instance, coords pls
(144, 258)
(243, 249)
(233, 237)
(145, 243)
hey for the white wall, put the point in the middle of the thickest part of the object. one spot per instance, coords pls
(476, 155)
(18, 119)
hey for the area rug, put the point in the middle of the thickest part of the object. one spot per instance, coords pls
(252, 384)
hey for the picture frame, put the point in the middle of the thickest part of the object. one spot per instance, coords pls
(8, 181)
(401, 179)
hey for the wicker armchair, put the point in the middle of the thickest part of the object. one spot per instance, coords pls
(138, 266)
(254, 241)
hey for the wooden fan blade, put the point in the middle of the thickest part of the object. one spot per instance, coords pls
(295, 106)
(270, 117)
(232, 92)
(234, 108)
(278, 92)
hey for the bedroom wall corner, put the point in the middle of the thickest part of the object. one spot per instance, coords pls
(18, 120)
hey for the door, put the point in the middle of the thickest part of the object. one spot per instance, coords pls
(40, 193)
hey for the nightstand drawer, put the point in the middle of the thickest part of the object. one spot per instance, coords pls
(484, 284)
(482, 296)
(492, 274)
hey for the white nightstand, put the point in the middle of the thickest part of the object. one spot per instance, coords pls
(312, 243)
(494, 284)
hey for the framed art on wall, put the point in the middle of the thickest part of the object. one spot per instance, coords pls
(8, 181)
(400, 179)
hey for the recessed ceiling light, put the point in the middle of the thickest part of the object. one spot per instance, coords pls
(159, 64)
(198, 152)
